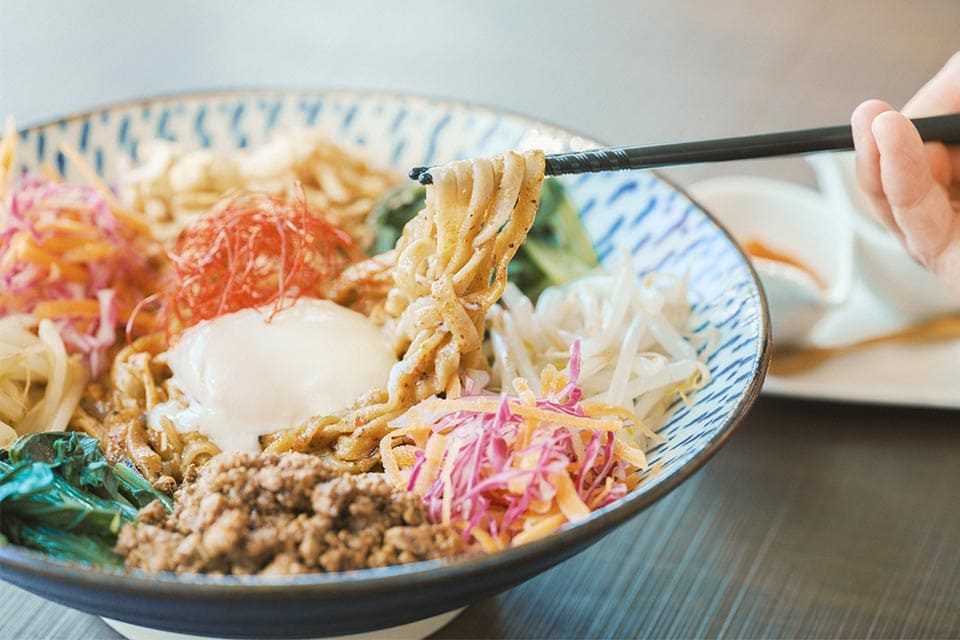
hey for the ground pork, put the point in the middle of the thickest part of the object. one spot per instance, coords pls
(248, 514)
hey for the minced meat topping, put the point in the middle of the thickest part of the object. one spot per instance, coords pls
(248, 514)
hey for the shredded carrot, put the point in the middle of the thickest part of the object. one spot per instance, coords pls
(510, 469)
(70, 255)
(62, 243)
(50, 309)
(540, 529)
(487, 542)
(25, 248)
(631, 454)
(520, 408)
(601, 497)
(50, 173)
(90, 251)
(74, 229)
(571, 504)
(130, 218)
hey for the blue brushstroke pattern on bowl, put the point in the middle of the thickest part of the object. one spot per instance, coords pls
(634, 211)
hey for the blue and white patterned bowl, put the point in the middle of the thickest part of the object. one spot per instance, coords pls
(640, 212)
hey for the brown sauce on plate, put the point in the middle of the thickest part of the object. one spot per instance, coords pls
(757, 249)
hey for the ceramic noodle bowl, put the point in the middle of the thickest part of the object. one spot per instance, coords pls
(636, 212)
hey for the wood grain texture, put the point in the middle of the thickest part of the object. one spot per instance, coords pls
(817, 520)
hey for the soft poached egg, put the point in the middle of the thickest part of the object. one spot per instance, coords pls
(245, 374)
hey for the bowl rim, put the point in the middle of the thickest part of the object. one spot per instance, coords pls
(421, 574)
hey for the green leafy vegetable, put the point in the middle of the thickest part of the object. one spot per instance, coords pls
(63, 544)
(397, 208)
(79, 460)
(135, 488)
(24, 480)
(557, 249)
(58, 494)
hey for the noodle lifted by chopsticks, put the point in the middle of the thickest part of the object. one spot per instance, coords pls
(449, 268)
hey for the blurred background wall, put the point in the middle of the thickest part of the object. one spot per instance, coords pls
(625, 71)
(622, 71)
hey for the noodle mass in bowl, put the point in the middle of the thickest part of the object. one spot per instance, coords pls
(636, 212)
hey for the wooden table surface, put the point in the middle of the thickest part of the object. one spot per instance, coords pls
(817, 520)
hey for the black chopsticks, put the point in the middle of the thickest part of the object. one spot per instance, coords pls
(944, 128)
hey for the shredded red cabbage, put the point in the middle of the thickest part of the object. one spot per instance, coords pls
(38, 217)
(494, 482)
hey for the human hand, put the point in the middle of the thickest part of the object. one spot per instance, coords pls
(914, 187)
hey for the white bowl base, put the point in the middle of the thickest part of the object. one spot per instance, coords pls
(411, 631)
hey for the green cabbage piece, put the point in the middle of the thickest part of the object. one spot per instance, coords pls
(556, 251)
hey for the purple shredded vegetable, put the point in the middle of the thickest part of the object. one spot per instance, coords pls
(487, 461)
(31, 206)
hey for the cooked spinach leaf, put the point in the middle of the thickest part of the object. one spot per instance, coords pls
(78, 459)
(90, 549)
(58, 494)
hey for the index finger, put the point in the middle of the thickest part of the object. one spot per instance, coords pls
(919, 204)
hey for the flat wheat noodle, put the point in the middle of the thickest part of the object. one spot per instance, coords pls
(449, 267)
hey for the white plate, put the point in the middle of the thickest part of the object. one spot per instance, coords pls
(923, 375)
